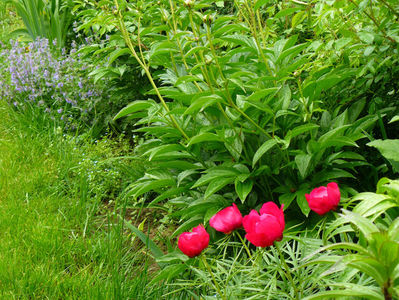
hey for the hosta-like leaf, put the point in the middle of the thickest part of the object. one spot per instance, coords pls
(214, 174)
(150, 185)
(302, 202)
(204, 137)
(154, 152)
(203, 102)
(258, 95)
(188, 225)
(117, 53)
(299, 130)
(134, 107)
(266, 146)
(243, 188)
(287, 12)
(286, 199)
(303, 162)
(388, 149)
(217, 184)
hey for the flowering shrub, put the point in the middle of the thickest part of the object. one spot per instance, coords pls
(32, 75)
(377, 257)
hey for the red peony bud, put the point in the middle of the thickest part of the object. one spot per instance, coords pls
(192, 243)
(323, 199)
(227, 219)
(264, 229)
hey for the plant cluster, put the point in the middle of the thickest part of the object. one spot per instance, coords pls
(262, 103)
(236, 106)
(369, 231)
(106, 166)
(247, 106)
(44, 19)
(33, 76)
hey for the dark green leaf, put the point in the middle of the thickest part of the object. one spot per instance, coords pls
(243, 188)
(266, 146)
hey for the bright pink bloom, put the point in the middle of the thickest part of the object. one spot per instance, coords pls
(192, 243)
(227, 219)
(262, 230)
(323, 199)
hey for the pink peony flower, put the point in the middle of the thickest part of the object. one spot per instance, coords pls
(192, 243)
(264, 229)
(323, 199)
(227, 219)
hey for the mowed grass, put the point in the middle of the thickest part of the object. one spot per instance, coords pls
(57, 242)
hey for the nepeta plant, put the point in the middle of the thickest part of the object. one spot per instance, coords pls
(32, 75)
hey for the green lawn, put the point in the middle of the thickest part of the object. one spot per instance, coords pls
(56, 241)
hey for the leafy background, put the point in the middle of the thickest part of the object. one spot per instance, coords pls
(234, 101)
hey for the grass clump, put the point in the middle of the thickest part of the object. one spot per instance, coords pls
(57, 239)
(8, 21)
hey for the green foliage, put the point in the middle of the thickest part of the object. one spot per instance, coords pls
(106, 165)
(8, 21)
(45, 19)
(244, 101)
(246, 105)
(388, 149)
(374, 221)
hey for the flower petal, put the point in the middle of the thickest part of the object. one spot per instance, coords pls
(249, 221)
(333, 193)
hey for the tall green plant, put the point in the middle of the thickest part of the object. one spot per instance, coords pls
(43, 18)
(251, 105)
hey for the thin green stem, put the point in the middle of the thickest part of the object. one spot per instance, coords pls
(203, 258)
(127, 39)
(203, 68)
(253, 25)
(287, 271)
(213, 51)
(373, 19)
(262, 34)
(174, 28)
(390, 7)
(244, 244)
(139, 42)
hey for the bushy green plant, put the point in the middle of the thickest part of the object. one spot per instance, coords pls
(107, 166)
(245, 107)
(263, 103)
(101, 44)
